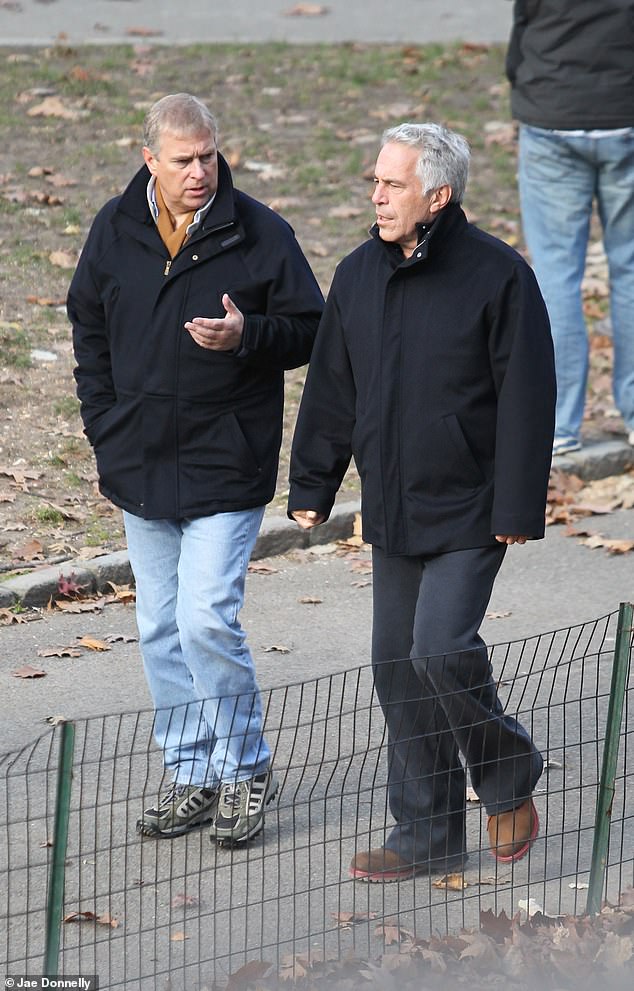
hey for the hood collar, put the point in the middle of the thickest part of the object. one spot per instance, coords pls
(444, 224)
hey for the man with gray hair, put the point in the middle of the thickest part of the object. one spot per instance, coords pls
(433, 367)
(189, 301)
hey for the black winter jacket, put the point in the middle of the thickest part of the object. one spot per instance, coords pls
(571, 63)
(437, 374)
(181, 431)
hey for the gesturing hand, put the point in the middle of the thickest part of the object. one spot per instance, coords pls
(219, 333)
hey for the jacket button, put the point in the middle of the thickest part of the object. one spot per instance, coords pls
(419, 254)
(194, 258)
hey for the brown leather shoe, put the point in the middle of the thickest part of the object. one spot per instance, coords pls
(381, 865)
(512, 833)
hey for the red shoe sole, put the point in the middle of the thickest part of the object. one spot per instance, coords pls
(523, 850)
(383, 877)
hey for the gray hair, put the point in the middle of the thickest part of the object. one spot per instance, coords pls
(178, 113)
(443, 155)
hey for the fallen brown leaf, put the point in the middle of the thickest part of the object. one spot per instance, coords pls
(26, 671)
(76, 605)
(100, 920)
(31, 551)
(46, 300)
(143, 32)
(122, 593)
(63, 259)
(7, 617)
(247, 975)
(59, 652)
(347, 919)
(306, 10)
(52, 106)
(318, 249)
(390, 933)
(19, 475)
(182, 900)
(80, 917)
(60, 181)
(451, 882)
(90, 644)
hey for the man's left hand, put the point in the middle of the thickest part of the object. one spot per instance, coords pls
(511, 540)
(219, 334)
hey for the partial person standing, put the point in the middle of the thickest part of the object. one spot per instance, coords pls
(189, 301)
(571, 68)
(433, 367)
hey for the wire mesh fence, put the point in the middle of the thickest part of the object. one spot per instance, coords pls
(186, 913)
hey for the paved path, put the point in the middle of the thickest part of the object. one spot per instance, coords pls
(546, 585)
(39, 22)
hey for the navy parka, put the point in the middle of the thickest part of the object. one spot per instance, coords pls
(178, 430)
(436, 373)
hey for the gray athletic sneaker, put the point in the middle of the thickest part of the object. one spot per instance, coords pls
(181, 808)
(241, 808)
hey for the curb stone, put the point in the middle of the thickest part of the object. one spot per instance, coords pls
(598, 460)
(277, 535)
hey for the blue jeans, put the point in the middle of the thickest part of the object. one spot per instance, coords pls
(190, 577)
(559, 179)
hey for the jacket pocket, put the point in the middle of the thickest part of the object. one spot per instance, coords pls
(460, 465)
(116, 438)
(213, 446)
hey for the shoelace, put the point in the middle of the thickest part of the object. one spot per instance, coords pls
(231, 797)
(175, 791)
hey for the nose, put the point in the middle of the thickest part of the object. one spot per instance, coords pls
(197, 171)
(378, 196)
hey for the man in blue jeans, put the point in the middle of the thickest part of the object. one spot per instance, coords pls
(189, 301)
(570, 64)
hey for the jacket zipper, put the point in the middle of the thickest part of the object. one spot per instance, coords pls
(220, 227)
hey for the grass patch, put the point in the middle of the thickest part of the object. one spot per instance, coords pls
(15, 349)
(49, 515)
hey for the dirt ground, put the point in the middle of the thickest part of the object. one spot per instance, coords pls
(300, 127)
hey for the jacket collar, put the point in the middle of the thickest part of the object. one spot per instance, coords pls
(431, 237)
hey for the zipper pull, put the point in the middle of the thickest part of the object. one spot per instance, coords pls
(168, 265)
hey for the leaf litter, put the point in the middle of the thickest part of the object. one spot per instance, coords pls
(531, 951)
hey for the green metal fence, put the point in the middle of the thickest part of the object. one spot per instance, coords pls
(82, 893)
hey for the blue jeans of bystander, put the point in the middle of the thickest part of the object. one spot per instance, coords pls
(190, 577)
(560, 177)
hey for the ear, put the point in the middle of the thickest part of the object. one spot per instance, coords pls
(150, 160)
(440, 198)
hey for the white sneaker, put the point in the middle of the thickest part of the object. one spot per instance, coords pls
(241, 807)
(566, 445)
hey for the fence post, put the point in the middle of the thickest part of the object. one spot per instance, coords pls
(55, 900)
(610, 756)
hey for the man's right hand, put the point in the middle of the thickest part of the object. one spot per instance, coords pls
(307, 518)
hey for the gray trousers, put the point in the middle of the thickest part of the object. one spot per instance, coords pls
(433, 680)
